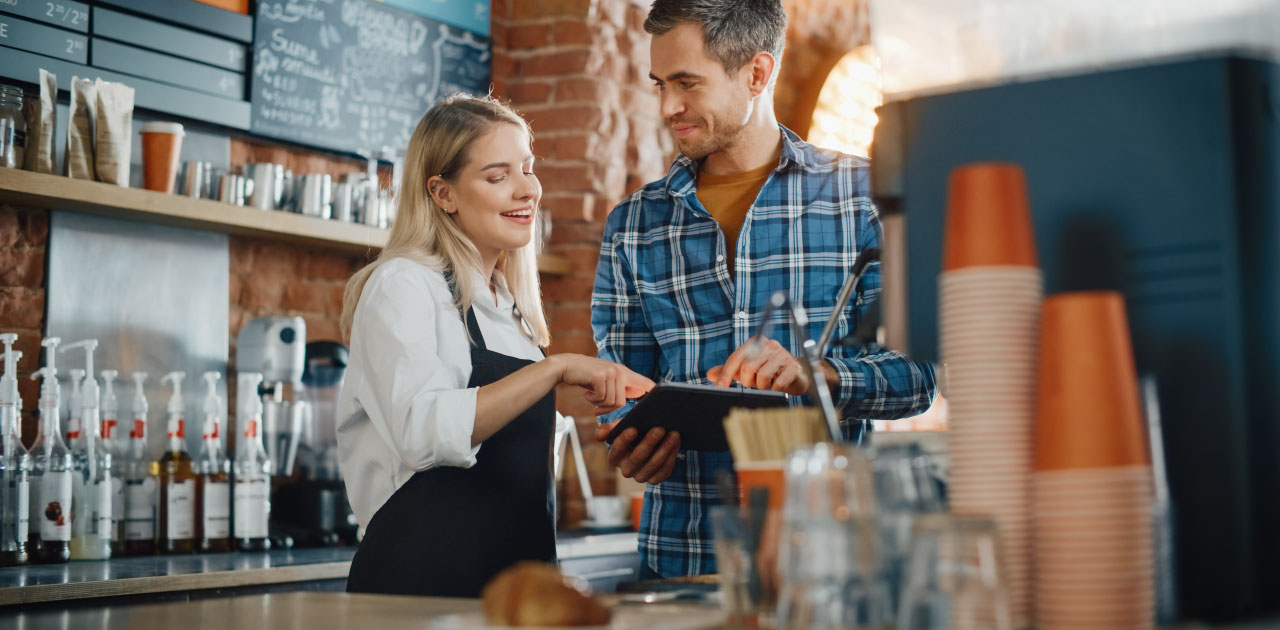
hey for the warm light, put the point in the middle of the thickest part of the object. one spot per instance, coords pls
(935, 419)
(845, 117)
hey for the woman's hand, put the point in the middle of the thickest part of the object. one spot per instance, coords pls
(608, 384)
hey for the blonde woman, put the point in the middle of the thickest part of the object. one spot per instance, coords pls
(447, 412)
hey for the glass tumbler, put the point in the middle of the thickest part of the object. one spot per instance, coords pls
(829, 571)
(955, 578)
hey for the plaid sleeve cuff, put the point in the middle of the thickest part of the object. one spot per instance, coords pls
(851, 382)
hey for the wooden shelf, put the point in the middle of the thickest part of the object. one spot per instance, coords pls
(63, 193)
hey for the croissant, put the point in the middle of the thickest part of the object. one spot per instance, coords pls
(534, 594)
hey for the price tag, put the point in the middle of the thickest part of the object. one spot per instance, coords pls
(62, 13)
(36, 38)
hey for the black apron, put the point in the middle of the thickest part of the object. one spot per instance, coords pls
(447, 531)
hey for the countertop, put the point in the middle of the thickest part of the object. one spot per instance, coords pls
(313, 611)
(160, 574)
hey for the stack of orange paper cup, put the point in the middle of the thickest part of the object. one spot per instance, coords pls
(990, 293)
(1092, 486)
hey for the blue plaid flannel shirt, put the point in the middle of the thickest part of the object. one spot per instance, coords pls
(665, 306)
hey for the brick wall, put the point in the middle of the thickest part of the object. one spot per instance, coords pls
(819, 33)
(24, 235)
(577, 70)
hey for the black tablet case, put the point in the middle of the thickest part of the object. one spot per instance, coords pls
(697, 412)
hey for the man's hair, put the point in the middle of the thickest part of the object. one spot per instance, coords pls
(733, 30)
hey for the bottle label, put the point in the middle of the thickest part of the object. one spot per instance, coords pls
(139, 428)
(102, 511)
(253, 507)
(117, 503)
(24, 507)
(55, 506)
(82, 512)
(177, 428)
(108, 428)
(140, 509)
(33, 506)
(73, 429)
(217, 510)
(181, 510)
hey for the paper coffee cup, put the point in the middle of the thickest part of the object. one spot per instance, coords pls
(161, 148)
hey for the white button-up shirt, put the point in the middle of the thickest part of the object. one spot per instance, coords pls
(405, 405)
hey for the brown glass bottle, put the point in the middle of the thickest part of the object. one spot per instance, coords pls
(214, 488)
(178, 480)
(178, 505)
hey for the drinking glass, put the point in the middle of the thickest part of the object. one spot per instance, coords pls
(828, 555)
(905, 489)
(735, 561)
(955, 579)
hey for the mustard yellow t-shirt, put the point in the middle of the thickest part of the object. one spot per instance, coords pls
(728, 198)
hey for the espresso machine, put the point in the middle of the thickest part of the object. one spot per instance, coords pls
(314, 510)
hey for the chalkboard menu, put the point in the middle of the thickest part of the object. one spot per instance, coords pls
(355, 75)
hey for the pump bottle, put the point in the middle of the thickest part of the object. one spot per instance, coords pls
(112, 446)
(91, 513)
(179, 513)
(252, 474)
(15, 464)
(140, 500)
(215, 474)
(51, 470)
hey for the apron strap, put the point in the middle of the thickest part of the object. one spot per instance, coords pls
(473, 328)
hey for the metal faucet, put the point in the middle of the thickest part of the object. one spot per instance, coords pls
(811, 361)
(813, 351)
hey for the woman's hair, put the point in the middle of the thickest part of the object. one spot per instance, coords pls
(425, 233)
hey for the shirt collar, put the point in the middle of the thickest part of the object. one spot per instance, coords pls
(484, 297)
(682, 177)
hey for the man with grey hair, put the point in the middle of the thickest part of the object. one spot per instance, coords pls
(688, 262)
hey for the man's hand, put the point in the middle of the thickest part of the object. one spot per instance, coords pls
(772, 368)
(649, 461)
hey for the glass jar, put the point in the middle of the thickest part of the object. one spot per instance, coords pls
(13, 127)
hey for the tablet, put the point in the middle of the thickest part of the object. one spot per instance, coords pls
(697, 412)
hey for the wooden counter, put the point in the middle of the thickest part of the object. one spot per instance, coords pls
(340, 611)
(595, 558)
(323, 611)
(124, 577)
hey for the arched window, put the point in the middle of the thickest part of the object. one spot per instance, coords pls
(845, 117)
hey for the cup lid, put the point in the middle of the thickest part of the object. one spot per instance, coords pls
(162, 127)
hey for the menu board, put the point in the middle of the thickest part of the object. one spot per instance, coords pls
(355, 75)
